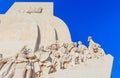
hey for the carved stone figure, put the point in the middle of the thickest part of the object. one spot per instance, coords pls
(48, 60)
(29, 70)
(6, 68)
(3, 62)
(37, 69)
(22, 56)
(19, 70)
(95, 48)
(11, 71)
(81, 47)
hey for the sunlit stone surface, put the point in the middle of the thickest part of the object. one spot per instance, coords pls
(16, 31)
(36, 44)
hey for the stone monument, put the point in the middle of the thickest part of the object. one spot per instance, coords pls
(36, 44)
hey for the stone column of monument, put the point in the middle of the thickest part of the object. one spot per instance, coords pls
(50, 27)
(16, 32)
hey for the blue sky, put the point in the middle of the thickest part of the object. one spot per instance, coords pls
(97, 18)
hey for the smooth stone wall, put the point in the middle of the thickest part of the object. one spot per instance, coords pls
(16, 32)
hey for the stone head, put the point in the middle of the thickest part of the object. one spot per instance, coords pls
(75, 44)
(79, 43)
(42, 48)
(89, 38)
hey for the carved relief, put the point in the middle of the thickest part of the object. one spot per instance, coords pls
(51, 52)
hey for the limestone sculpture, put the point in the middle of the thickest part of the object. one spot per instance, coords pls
(36, 44)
